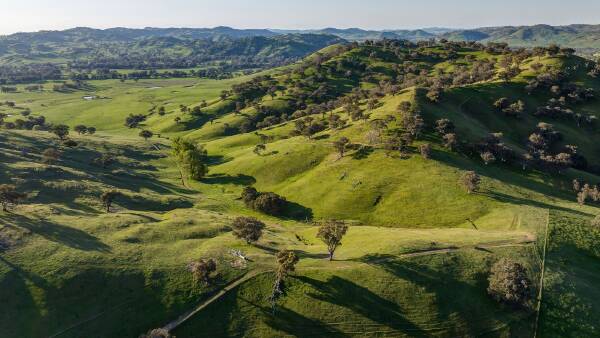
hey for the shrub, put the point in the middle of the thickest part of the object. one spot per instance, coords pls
(202, 269)
(470, 180)
(247, 228)
(9, 196)
(596, 221)
(269, 203)
(508, 283)
(425, 150)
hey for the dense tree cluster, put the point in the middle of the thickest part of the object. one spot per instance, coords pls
(191, 158)
(268, 202)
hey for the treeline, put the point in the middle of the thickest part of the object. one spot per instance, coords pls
(28, 73)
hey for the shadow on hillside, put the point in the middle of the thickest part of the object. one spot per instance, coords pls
(304, 254)
(358, 299)
(127, 176)
(362, 152)
(240, 179)
(15, 294)
(523, 201)
(453, 297)
(71, 237)
(90, 298)
(217, 159)
(297, 212)
(551, 187)
(297, 325)
(142, 203)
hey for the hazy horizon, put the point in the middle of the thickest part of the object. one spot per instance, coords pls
(36, 15)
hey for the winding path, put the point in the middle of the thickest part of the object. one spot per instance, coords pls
(251, 274)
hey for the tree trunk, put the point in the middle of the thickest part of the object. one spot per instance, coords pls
(330, 256)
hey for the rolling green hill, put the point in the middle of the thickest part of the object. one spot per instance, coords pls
(581, 37)
(416, 258)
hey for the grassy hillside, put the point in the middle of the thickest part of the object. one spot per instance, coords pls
(417, 255)
(582, 37)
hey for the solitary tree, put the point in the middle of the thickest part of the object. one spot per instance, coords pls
(331, 233)
(9, 196)
(450, 141)
(259, 148)
(286, 263)
(340, 145)
(247, 228)
(509, 283)
(146, 134)
(425, 150)
(202, 269)
(91, 130)
(80, 129)
(50, 156)
(191, 158)
(108, 197)
(470, 180)
(60, 130)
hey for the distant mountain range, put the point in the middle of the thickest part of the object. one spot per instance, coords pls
(575, 36)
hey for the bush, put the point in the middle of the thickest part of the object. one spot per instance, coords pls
(596, 222)
(268, 202)
(508, 283)
(247, 228)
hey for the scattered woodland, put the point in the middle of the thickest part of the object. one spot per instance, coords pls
(389, 187)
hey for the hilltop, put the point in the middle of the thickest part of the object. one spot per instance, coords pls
(378, 135)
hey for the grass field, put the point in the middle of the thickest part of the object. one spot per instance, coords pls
(414, 261)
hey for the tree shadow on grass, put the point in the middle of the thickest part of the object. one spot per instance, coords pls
(18, 304)
(141, 203)
(297, 325)
(297, 212)
(553, 187)
(523, 201)
(345, 293)
(469, 301)
(71, 237)
(240, 179)
(362, 152)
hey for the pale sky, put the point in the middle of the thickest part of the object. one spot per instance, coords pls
(33, 15)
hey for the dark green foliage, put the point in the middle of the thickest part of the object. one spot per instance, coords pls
(9, 196)
(247, 228)
(331, 233)
(267, 202)
(134, 120)
(340, 145)
(108, 197)
(509, 283)
(146, 134)
(202, 269)
(191, 158)
(60, 130)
